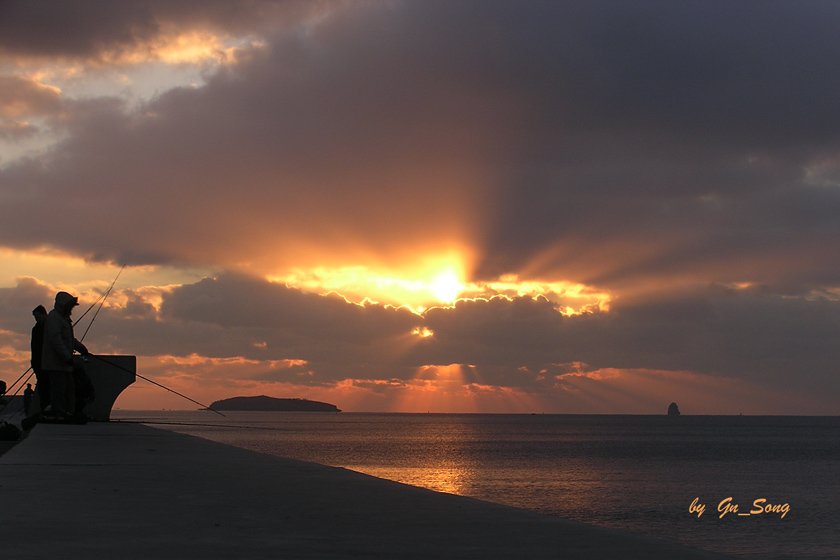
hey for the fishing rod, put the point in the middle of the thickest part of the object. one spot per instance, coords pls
(103, 297)
(92, 305)
(9, 388)
(158, 384)
(101, 300)
(2, 408)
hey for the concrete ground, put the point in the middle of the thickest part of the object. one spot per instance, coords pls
(115, 490)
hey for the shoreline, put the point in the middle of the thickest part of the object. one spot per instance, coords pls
(143, 492)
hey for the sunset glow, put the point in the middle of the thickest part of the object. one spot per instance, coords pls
(192, 48)
(416, 287)
(350, 202)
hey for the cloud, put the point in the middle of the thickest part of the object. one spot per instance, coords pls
(549, 139)
(20, 97)
(16, 130)
(100, 31)
(25, 98)
(17, 304)
(235, 301)
(268, 166)
(679, 158)
(256, 332)
(746, 334)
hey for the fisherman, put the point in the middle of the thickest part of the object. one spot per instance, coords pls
(42, 384)
(57, 358)
(27, 398)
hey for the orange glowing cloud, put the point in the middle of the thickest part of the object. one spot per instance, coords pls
(430, 280)
(21, 96)
(440, 281)
(193, 47)
(205, 380)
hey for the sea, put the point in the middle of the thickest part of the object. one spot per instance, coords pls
(763, 487)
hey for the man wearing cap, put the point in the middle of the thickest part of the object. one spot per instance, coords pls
(57, 357)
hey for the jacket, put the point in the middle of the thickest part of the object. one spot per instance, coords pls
(59, 342)
(37, 346)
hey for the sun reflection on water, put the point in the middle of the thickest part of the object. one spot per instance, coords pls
(451, 479)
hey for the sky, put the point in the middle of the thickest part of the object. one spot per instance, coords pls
(432, 206)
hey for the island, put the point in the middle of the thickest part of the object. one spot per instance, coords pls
(673, 410)
(271, 404)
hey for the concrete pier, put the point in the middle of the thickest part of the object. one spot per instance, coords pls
(116, 490)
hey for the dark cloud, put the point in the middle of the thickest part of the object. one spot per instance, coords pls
(99, 30)
(678, 127)
(21, 97)
(17, 304)
(239, 316)
(236, 301)
(514, 332)
(16, 130)
(747, 333)
(642, 148)
(742, 333)
(521, 343)
(568, 131)
(64, 30)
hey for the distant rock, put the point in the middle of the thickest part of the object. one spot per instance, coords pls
(673, 410)
(271, 404)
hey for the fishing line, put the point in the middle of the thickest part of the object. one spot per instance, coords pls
(9, 388)
(158, 384)
(197, 425)
(92, 305)
(103, 297)
(8, 396)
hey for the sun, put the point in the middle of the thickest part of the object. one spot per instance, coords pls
(420, 282)
(446, 286)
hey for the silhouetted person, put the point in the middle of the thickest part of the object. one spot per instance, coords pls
(42, 382)
(27, 398)
(57, 358)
